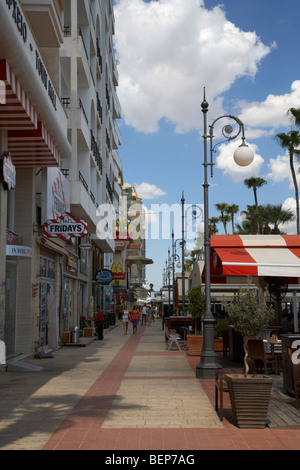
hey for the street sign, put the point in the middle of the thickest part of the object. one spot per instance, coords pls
(65, 226)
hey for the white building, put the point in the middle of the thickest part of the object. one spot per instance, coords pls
(58, 111)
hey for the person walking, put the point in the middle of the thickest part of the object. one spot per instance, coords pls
(144, 315)
(99, 322)
(125, 319)
(134, 319)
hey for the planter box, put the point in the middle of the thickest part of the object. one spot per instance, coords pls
(218, 345)
(87, 332)
(249, 399)
(66, 337)
(195, 345)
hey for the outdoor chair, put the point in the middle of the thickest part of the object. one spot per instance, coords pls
(174, 340)
(257, 353)
(220, 388)
(296, 378)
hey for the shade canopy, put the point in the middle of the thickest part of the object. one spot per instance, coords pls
(255, 255)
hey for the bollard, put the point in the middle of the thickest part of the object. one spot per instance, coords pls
(76, 334)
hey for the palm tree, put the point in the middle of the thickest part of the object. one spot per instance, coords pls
(264, 219)
(232, 210)
(295, 112)
(255, 183)
(224, 218)
(252, 216)
(213, 225)
(278, 216)
(291, 141)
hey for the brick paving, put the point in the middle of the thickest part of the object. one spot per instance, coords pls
(123, 393)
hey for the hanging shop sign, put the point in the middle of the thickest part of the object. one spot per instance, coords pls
(66, 226)
(118, 271)
(8, 172)
(105, 276)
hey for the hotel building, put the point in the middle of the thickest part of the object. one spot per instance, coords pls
(58, 147)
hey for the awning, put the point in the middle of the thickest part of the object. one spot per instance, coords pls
(33, 147)
(44, 242)
(256, 255)
(16, 110)
(28, 139)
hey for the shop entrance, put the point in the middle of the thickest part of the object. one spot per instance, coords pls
(10, 306)
(47, 308)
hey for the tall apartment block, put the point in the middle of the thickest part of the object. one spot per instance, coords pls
(59, 164)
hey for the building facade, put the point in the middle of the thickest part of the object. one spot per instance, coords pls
(58, 146)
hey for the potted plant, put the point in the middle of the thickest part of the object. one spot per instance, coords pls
(249, 313)
(196, 307)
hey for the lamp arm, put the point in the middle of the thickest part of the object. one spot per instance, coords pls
(226, 131)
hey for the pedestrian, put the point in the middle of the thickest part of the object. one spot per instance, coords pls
(144, 315)
(153, 313)
(99, 322)
(134, 319)
(125, 319)
(149, 316)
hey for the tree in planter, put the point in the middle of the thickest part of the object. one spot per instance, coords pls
(249, 313)
(196, 303)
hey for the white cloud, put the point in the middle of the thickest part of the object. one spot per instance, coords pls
(271, 113)
(148, 191)
(169, 50)
(225, 162)
(290, 227)
(280, 170)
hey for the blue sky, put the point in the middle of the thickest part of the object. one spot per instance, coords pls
(246, 54)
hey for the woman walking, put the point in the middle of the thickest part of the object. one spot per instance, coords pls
(134, 319)
(125, 319)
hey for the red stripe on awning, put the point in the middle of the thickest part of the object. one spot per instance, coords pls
(14, 101)
(28, 140)
(257, 255)
(239, 256)
(33, 147)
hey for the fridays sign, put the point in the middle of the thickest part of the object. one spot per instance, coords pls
(65, 226)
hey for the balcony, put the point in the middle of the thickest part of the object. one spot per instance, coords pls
(46, 21)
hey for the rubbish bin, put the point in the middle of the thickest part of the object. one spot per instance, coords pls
(76, 334)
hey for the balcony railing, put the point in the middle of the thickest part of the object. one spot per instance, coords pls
(96, 152)
(110, 189)
(82, 180)
(83, 110)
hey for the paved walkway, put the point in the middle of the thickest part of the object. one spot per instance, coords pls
(122, 393)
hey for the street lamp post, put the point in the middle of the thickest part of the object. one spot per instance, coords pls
(182, 256)
(243, 156)
(183, 242)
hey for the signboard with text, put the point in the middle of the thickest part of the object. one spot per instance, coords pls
(66, 227)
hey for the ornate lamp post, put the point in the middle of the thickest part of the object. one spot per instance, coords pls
(243, 156)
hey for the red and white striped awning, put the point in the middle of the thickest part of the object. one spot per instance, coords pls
(28, 139)
(256, 255)
(16, 110)
(33, 147)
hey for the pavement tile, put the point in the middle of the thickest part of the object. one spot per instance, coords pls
(123, 393)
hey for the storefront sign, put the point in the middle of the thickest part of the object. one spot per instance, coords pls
(118, 271)
(104, 277)
(19, 250)
(66, 227)
(8, 172)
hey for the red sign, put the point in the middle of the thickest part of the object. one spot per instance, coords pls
(65, 226)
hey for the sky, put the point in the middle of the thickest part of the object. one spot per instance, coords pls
(246, 55)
